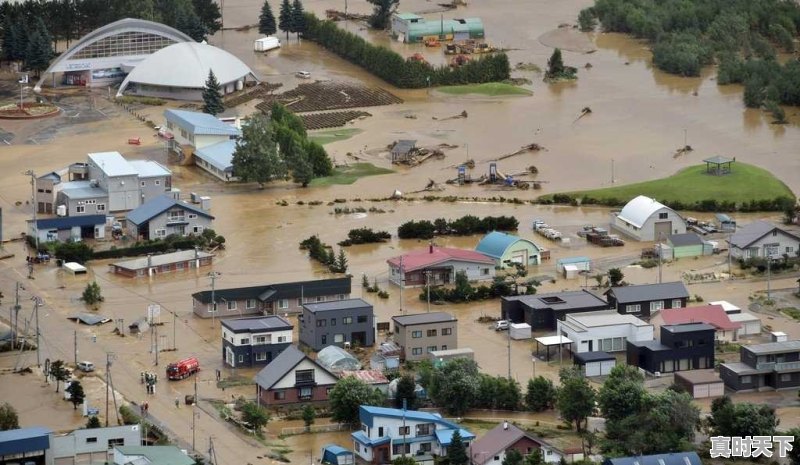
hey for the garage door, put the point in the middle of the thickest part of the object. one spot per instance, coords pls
(662, 227)
(606, 366)
(752, 328)
(461, 36)
(716, 390)
(593, 369)
(519, 257)
(701, 391)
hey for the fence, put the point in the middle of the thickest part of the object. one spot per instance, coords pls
(315, 429)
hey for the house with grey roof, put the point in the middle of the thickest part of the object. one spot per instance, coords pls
(248, 342)
(164, 216)
(293, 377)
(543, 311)
(763, 239)
(774, 365)
(208, 140)
(422, 333)
(152, 265)
(82, 198)
(150, 455)
(673, 458)
(342, 322)
(643, 300)
(606, 331)
(491, 448)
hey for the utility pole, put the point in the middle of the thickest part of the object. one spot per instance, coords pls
(174, 326)
(660, 255)
(404, 428)
(108, 382)
(75, 346)
(37, 301)
(769, 277)
(428, 285)
(402, 283)
(508, 337)
(730, 272)
(15, 319)
(33, 204)
(194, 412)
(214, 276)
(612, 172)
(155, 328)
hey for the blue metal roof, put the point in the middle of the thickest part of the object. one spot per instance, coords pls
(219, 155)
(159, 205)
(362, 438)
(496, 243)
(677, 458)
(367, 414)
(20, 441)
(571, 260)
(200, 123)
(336, 449)
(445, 436)
(69, 222)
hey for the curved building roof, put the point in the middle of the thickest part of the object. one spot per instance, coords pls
(186, 65)
(114, 44)
(638, 210)
(496, 243)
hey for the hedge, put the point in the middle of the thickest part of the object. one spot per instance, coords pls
(778, 204)
(393, 68)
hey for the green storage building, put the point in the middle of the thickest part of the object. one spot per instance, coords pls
(411, 28)
(686, 245)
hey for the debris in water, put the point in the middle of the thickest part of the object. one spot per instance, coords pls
(463, 114)
(584, 112)
(683, 151)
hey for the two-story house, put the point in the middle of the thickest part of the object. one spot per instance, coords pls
(247, 342)
(210, 141)
(340, 323)
(605, 331)
(269, 299)
(111, 172)
(682, 347)
(293, 377)
(420, 334)
(773, 365)
(491, 448)
(165, 215)
(543, 311)
(712, 314)
(642, 300)
(388, 433)
(763, 239)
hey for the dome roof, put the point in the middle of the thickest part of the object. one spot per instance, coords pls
(638, 210)
(186, 64)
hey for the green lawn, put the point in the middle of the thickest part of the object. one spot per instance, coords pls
(333, 135)
(491, 89)
(746, 183)
(349, 174)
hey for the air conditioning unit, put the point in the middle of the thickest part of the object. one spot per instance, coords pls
(657, 374)
(61, 210)
(94, 183)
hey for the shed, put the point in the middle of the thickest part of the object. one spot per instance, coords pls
(725, 223)
(718, 165)
(519, 331)
(403, 149)
(25, 443)
(751, 324)
(729, 308)
(595, 363)
(645, 219)
(508, 250)
(580, 263)
(335, 359)
(685, 245)
(700, 383)
(440, 356)
(334, 454)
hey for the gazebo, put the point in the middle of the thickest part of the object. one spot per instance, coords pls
(718, 165)
(550, 341)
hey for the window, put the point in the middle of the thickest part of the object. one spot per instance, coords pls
(158, 182)
(424, 429)
(80, 209)
(416, 351)
(324, 339)
(91, 440)
(192, 216)
(611, 344)
(485, 271)
(340, 296)
(398, 449)
(212, 308)
(142, 183)
(444, 347)
(657, 305)
(241, 358)
(259, 340)
(101, 207)
(283, 304)
(338, 338)
(668, 366)
(179, 266)
(320, 298)
(197, 229)
(245, 340)
(114, 442)
(261, 356)
(362, 319)
(416, 334)
(347, 320)
(404, 430)
(663, 216)
(333, 321)
(447, 331)
(676, 303)
(322, 323)
(425, 447)
(789, 249)
(431, 333)
(280, 395)
(431, 349)
(161, 233)
(633, 308)
(281, 338)
(305, 393)
(303, 376)
(786, 377)
(746, 379)
(250, 304)
(231, 305)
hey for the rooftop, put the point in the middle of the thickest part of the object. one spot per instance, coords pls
(279, 366)
(604, 318)
(744, 369)
(158, 455)
(272, 292)
(683, 240)
(495, 244)
(368, 413)
(77, 190)
(638, 210)
(652, 345)
(424, 318)
(587, 357)
(368, 376)
(688, 328)
(149, 168)
(718, 159)
(712, 314)
(699, 376)
(743, 317)
(219, 155)
(161, 259)
(649, 292)
(337, 305)
(429, 256)
(112, 164)
(70, 222)
(677, 458)
(261, 323)
(159, 205)
(752, 232)
(22, 440)
(727, 306)
(201, 123)
(774, 347)
(560, 300)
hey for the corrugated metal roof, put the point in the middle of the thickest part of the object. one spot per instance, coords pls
(649, 292)
(158, 455)
(219, 155)
(20, 441)
(496, 243)
(68, 222)
(677, 458)
(149, 168)
(261, 323)
(408, 16)
(448, 26)
(424, 318)
(774, 347)
(159, 205)
(712, 314)
(367, 376)
(686, 239)
(281, 365)
(750, 233)
(200, 123)
(497, 440)
(162, 259)
(272, 292)
(718, 159)
(112, 164)
(77, 190)
(688, 328)
(638, 210)
(337, 305)
(424, 258)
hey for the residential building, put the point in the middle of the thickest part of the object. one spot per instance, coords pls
(74, 228)
(491, 448)
(164, 216)
(293, 377)
(81, 198)
(763, 239)
(248, 342)
(508, 250)
(773, 365)
(210, 141)
(151, 455)
(644, 219)
(94, 445)
(701, 384)
(412, 28)
(269, 299)
(163, 263)
(341, 323)
(439, 265)
(121, 180)
(422, 333)
(714, 315)
(675, 458)
(47, 186)
(388, 433)
(542, 311)
(682, 347)
(597, 363)
(644, 299)
(605, 331)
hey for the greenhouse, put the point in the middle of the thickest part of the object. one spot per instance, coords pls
(335, 359)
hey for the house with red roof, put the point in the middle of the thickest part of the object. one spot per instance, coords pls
(713, 315)
(439, 265)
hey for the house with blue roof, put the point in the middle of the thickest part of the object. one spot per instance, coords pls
(164, 216)
(208, 140)
(69, 228)
(508, 250)
(388, 433)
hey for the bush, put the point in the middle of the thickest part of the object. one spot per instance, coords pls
(73, 252)
(464, 226)
(365, 236)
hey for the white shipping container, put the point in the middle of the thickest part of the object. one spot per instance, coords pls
(266, 44)
(519, 331)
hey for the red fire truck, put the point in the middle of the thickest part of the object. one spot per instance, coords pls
(183, 368)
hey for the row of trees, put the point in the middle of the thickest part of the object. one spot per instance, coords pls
(463, 291)
(323, 253)
(27, 42)
(275, 147)
(365, 236)
(781, 204)
(464, 226)
(291, 18)
(393, 68)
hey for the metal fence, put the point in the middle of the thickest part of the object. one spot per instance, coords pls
(315, 429)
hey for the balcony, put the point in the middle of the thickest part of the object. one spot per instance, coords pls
(177, 219)
(778, 366)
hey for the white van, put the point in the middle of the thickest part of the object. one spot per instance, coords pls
(303, 75)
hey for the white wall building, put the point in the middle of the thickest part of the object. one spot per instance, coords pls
(605, 331)
(763, 239)
(644, 219)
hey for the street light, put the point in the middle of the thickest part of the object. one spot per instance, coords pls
(33, 204)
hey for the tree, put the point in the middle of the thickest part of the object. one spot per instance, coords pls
(8, 417)
(741, 419)
(513, 457)
(340, 265)
(256, 157)
(255, 415)
(575, 398)
(534, 458)
(91, 295)
(297, 160)
(38, 52)
(76, 393)
(298, 18)
(209, 14)
(266, 20)
(321, 164)
(615, 277)
(555, 65)
(407, 460)
(212, 95)
(454, 385)
(59, 372)
(456, 451)
(541, 394)
(93, 422)
(622, 394)
(309, 415)
(794, 454)
(666, 423)
(78, 252)
(285, 18)
(190, 24)
(348, 395)
(587, 20)
(406, 390)
(382, 11)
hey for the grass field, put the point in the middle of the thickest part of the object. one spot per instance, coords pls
(744, 184)
(333, 135)
(491, 89)
(349, 174)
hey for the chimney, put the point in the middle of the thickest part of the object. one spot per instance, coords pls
(430, 247)
(505, 424)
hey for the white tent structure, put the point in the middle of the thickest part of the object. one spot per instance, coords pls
(335, 359)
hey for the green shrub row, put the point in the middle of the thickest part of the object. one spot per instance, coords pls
(709, 205)
(463, 226)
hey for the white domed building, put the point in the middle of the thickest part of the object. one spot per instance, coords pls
(179, 72)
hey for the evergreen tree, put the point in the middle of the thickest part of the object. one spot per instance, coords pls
(59, 372)
(91, 294)
(285, 18)
(513, 457)
(39, 48)
(76, 394)
(8, 417)
(382, 11)
(348, 395)
(298, 18)
(340, 264)
(93, 422)
(190, 24)
(256, 157)
(456, 451)
(576, 398)
(212, 96)
(406, 390)
(309, 415)
(209, 14)
(9, 39)
(321, 163)
(541, 394)
(266, 20)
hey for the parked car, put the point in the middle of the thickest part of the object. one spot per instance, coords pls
(303, 74)
(501, 325)
(86, 366)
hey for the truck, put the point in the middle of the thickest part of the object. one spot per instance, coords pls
(183, 368)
